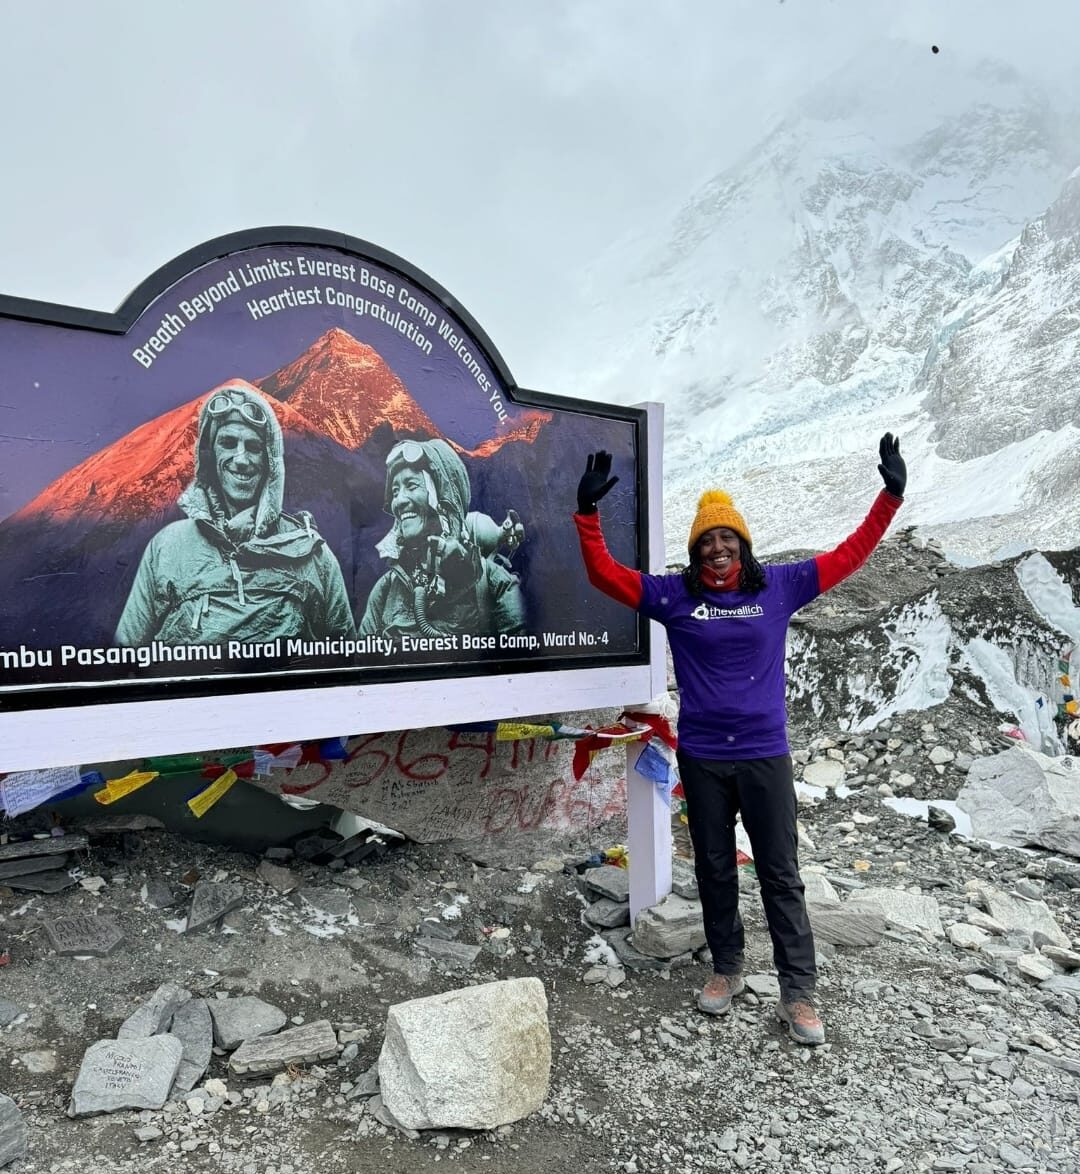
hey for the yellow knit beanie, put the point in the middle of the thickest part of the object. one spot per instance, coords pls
(715, 509)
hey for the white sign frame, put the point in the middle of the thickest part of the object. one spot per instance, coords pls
(116, 731)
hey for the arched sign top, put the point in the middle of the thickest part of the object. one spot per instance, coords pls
(289, 461)
(163, 278)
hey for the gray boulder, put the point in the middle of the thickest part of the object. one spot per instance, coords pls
(1024, 798)
(474, 1058)
(669, 928)
(126, 1074)
(13, 1142)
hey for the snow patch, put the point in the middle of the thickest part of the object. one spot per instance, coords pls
(1034, 717)
(1049, 595)
(919, 640)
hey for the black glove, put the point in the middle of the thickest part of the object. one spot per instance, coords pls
(595, 482)
(892, 468)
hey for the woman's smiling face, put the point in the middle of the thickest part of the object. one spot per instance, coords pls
(409, 504)
(718, 549)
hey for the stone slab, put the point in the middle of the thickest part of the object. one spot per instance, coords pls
(96, 935)
(34, 865)
(155, 1014)
(243, 1018)
(194, 1028)
(212, 901)
(307, 1044)
(51, 846)
(683, 879)
(669, 928)
(329, 902)
(621, 942)
(284, 880)
(126, 1074)
(845, 925)
(159, 894)
(1022, 914)
(454, 953)
(824, 772)
(765, 986)
(13, 1131)
(607, 914)
(608, 881)
(53, 881)
(818, 889)
(903, 910)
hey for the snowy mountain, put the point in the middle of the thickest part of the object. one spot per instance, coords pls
(898, 253)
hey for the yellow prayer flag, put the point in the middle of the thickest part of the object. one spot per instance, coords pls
(518, 731)
(201, 803)
(117, 788)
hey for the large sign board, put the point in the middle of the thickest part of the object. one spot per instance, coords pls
(292, 462)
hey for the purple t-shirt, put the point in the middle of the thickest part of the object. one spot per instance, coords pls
(728, 651)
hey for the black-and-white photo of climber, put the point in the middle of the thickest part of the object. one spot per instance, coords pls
(237, 568)
(450, 571)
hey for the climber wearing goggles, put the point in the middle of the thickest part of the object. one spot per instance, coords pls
(232, 400)
(237, 567)
(446, 575)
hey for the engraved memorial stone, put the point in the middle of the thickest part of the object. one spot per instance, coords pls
(84, 934)
(212, 901)
(126, 1074)
(50, 846)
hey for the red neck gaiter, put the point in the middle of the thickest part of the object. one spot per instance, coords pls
(715, 583)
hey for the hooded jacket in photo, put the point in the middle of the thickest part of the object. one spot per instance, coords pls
(252, 577)
(481, 596)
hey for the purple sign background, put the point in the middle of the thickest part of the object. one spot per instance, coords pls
(350, 356)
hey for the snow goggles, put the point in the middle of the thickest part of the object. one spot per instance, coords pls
(224, 402)
(410, 451)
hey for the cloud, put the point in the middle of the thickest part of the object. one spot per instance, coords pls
(497, 147)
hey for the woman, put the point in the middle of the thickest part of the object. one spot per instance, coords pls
(445, 576)
(726, 618)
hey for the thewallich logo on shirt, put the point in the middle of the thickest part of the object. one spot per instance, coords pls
(704, 612)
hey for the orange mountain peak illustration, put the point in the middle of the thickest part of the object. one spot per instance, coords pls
(143, 473)
(346, 389)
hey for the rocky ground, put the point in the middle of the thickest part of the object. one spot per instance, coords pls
(953, 1029)
(950, 1047)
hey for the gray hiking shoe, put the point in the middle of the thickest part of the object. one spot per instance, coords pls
(716, 998)
(803, 1022)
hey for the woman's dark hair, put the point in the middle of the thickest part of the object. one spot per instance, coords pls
(751, 572)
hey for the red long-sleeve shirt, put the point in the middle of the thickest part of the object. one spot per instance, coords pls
(731, 672)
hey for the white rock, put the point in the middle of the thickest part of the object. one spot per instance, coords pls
(981, 920)
(1019, 913)
(1034, 967)
(1024, 798)
(823, 773)
(474, 1058)
(968, 937)
(818, 889)
(940, 755)
(902, 909)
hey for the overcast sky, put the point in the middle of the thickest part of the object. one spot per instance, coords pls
(496, 146)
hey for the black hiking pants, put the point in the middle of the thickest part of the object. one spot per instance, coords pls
(763, 790)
